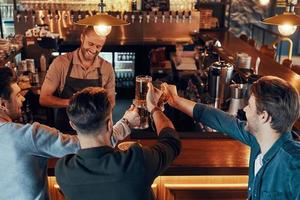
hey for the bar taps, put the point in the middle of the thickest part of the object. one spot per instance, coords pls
(132, 18)
(33, 17)
(177, 16)
(65, 16)
(72, 16)
(25, 16)
(170, 16)
(148, 17)
(87, 14)
(125, 16)
(140, 17)
(49, 15)
(18, 16)
(190, 16)
(183, 16)
(56, 16)
(163, 16)
(155, 17)
(79, 16)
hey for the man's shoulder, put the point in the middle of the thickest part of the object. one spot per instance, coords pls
(292, 150)
(62, 61)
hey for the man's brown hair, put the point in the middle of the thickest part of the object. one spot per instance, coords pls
(279, 99)
(89, 109)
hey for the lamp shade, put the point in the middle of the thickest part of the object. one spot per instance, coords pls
(285, 18)
(102, 19)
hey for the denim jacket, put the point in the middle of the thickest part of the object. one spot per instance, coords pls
(279, 177)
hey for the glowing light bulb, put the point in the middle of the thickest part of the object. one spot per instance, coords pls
(264, 2)
(102, 30)
(286, 29)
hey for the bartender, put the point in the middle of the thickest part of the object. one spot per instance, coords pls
(74, 71)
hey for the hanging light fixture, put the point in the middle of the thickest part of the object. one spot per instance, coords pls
(102, 22)
(287, 24)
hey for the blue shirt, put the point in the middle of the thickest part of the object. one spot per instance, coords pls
(279, 177)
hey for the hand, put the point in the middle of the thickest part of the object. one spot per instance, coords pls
(153, 96)
(171, 93)
(132, 116)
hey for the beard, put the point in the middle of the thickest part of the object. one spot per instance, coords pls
(88, 55)
(14, 112)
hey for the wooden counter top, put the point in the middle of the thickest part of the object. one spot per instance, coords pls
(210, 156)
(268, 66)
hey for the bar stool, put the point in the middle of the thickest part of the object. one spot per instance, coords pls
(244, 37)
(287, 63)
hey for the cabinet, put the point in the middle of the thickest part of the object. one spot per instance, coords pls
(214, 14)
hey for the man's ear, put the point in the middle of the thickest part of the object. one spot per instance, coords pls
(81, 39)
(265, 117)
(3, 104)
(109, 125)
(73, 125)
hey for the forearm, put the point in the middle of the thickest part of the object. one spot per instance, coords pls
(161, 121)
(184, 105)
(120, 131)
(54, 102)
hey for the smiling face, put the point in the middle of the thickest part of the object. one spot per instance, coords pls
(252, 116)
(14, 104)
(91, 45)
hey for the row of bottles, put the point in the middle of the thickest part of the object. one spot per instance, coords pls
(7, 11)
(124, 79)
(125, 56)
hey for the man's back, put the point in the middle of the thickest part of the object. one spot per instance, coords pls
(24, 150)
(111, 175)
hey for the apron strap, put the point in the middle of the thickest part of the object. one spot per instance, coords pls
(70, 67)
(99, 74)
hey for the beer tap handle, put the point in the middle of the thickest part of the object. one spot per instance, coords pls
(163, 16)
(132, 18)
(140, 17)
(25, 16)
(18, 16)
(155, 17)
(170, 16)
(183, 16)
(49, 15)
(190, 16)
(87, 14)
(125, 16)
(56, 15)
(79, 17)
(72, 16)
(33, 17)
(148, 17)
(177, 16)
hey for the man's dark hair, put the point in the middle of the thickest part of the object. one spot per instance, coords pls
(7, 78)
(89, 109)
(279, 99)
